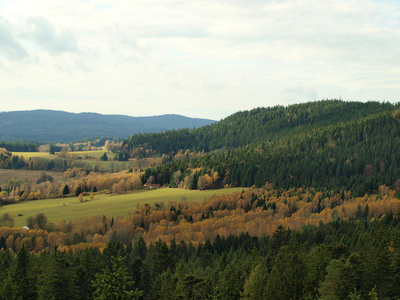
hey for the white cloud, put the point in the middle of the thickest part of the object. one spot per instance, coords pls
(199, 58)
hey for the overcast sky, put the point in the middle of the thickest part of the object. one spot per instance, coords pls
(206, 58)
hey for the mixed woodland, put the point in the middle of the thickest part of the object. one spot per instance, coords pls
(320, 219)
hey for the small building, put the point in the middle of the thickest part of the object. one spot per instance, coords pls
(152, 185)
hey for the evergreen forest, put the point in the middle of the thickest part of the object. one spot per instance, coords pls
(344, 259)
(332, 144)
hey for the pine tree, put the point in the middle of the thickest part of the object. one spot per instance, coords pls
(88, 265)
(104, 157)
(230, 284)
(78, 191)
(254, 286)
(327, 287)
(316, 264)
(24, 279)
(57, 278)
(8, 288)
(351, 277)
(2, 243)
(287, 274)
(65, 190)
(114, 283)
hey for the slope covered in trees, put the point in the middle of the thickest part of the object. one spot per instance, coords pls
(329, 144)
(259, 125)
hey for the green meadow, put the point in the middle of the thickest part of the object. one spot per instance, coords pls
(108, 166)
(93, 154)
(28, 155)
(108, 205)
(90, 154)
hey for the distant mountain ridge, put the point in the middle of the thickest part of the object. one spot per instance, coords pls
(54, 126)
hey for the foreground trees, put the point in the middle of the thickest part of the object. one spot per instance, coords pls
(255, 244)
(331, 261)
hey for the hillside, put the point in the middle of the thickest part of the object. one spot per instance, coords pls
(328, 144)
(54, 126)
(259, 125)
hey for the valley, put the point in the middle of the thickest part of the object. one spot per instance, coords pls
(295, 202)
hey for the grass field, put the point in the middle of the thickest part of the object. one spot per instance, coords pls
(110, 165)
(108, 205)
(93, 154)
(28, 155)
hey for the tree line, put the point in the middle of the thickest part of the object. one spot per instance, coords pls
(19, 146)
(77, 181)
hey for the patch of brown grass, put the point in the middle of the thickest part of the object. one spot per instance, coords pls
(30, 175)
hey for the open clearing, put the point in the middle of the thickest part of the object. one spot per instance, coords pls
(28, 155)
(108, 205)
(90, 154)
(95, 153)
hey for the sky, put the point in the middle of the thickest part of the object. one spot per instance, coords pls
(204, 59)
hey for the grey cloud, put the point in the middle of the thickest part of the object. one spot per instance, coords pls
(43, 33)
(9, 46)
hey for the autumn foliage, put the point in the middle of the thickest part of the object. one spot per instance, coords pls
(258, 212)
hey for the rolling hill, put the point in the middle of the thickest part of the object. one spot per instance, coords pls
(56, 126)
(332, 144)
(260, 125)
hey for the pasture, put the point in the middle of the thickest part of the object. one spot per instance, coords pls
(28, 155)
(108, 205)
(95, 154)
(72, 155)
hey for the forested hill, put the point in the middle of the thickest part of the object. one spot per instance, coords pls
(56, 126)
(335, 145)
(260, 125)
